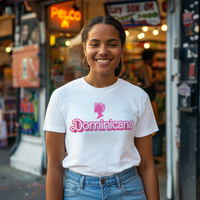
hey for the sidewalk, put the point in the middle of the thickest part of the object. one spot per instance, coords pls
(161, 171)
(17, 185)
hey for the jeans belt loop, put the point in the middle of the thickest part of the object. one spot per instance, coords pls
(82, 182)
(118, 181)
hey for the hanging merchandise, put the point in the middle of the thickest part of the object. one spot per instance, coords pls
(29, 113)
(26, 58)
(135, 13)
(26, 66)
(29, 29)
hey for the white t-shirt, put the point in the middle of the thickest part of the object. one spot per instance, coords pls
(100, 125)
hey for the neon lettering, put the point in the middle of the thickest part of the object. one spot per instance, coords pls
(77, 16)
(54, 11)
(65, 23)
(71, 12)
(65, 16)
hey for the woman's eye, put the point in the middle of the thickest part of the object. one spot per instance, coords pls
(94, 45)
(112, 45)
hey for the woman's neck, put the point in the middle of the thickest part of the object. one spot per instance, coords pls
(148, 62)
(99, 80)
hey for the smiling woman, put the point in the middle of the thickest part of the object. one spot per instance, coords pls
(103, 46)
(103, 50)
(105, 125)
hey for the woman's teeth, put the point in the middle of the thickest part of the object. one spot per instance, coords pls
(103, 61)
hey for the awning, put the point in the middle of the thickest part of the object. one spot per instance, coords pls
(15, 1)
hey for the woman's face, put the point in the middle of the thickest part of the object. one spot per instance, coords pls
(103, 49)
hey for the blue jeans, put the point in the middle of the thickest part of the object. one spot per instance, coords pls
(126, 185)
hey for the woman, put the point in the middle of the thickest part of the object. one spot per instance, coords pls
(148, 78)
(104, 124)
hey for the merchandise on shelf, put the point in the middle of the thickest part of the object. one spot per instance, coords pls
(8, 105)
(133, 60)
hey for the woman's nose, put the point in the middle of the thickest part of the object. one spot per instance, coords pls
(103, 50)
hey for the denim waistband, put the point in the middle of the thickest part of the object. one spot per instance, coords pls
(104, 180)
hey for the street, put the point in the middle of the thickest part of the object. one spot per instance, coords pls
(18, 185)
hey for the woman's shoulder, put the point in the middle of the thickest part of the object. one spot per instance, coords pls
(135, 93)
(132, 86)
(144, 67)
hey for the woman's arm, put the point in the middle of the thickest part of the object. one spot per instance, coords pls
(147, 75)
(147, 169)
(55, 144)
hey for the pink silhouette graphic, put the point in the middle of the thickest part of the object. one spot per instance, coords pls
(99, 108)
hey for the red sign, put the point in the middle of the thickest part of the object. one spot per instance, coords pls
(187, 19)
(25, 64)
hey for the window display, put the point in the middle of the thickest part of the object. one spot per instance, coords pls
(29, 113)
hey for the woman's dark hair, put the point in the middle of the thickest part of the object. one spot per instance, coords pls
(147, 54)
(110, 21)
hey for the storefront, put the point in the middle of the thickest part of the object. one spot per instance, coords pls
(7, 92)
(66, 54)
(55, 58)
(41, 64)
(64, 57)
(50, 54)
(58, 58)
(145, 26)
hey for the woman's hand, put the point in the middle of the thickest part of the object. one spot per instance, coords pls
(147, 169)
(55, 143)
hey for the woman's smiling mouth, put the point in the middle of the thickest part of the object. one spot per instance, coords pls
(103, 61)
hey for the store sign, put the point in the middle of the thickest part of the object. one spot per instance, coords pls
(187, 19)
(65, 18)
(137, 13)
